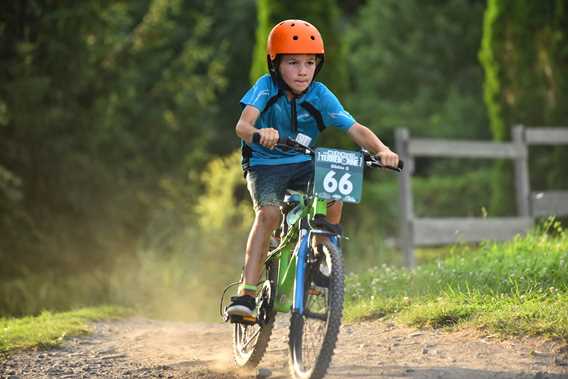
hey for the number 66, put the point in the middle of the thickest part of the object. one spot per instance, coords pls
(330, 184)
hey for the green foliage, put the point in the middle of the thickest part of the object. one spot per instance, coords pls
(492, 86)
(219, 208)
(234, 25)
(48, 329)
(54, 290)
(264, 25)
(412, 64)
(9, 186)
(105, 110)
(509, 287)
(524, 57)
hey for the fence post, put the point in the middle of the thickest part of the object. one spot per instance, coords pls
(522, 183)
(402, 137)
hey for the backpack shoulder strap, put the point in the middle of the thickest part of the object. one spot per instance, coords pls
(271, 101)
(314, 113)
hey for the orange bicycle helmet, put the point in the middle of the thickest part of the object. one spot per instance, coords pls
(293, 37)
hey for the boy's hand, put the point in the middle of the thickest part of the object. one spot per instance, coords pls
(268, 137)
(388, 158)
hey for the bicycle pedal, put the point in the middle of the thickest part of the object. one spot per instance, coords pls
(314, 292)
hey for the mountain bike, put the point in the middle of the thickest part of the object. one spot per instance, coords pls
(303, 271)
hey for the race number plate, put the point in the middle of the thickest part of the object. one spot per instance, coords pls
(339, 175)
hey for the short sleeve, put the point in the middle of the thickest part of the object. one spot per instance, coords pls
(259, 94)
(332, 111)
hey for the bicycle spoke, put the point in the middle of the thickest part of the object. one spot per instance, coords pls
(249, 340)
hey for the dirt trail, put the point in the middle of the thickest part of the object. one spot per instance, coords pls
(140, 348)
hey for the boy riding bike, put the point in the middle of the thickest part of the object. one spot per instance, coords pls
(288, 103)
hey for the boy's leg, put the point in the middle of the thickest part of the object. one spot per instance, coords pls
(266, 220)
(266, 185)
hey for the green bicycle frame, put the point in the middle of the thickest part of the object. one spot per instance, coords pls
(286, 254)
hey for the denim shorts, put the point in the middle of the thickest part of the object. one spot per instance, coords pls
(267, 184)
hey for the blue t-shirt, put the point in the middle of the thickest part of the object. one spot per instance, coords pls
(278, 116)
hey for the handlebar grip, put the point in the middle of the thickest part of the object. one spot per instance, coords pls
(281, 140)
(400, 164)
(398, 168)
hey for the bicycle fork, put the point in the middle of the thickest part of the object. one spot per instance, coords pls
(301, 252)
(301, 263)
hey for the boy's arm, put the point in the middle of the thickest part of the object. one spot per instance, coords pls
(245, 128)
(365, 138)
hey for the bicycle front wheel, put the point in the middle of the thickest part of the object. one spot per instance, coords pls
(313, 335)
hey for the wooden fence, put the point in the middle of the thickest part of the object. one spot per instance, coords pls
(425, 231)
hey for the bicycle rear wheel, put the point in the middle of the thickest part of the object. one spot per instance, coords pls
(313, 335)
(250, 341)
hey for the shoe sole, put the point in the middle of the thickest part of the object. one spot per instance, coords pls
(239, 310)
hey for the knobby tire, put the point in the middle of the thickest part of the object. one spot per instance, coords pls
(314, 364)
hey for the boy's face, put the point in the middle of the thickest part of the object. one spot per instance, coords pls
(298, 70)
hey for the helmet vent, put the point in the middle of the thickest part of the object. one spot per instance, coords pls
(295, 38)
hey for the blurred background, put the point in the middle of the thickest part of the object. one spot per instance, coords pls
(119, 171)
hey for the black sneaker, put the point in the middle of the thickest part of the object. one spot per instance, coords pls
(241, 306)
(320, 279)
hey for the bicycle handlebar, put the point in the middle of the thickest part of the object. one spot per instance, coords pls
(370, 160)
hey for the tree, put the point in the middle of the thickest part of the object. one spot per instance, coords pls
(525, 58)
(98, 104)
(413, 64)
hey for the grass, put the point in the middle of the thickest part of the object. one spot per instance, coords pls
(49, 329)
(515, 288)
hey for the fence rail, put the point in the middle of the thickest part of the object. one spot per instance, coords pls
(547, 136)
(553, 203)
(425, 147)
(427, 231)
(436, 231)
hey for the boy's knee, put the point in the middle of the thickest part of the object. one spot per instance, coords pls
(334, 212)
(337, 206)
(268, 216)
